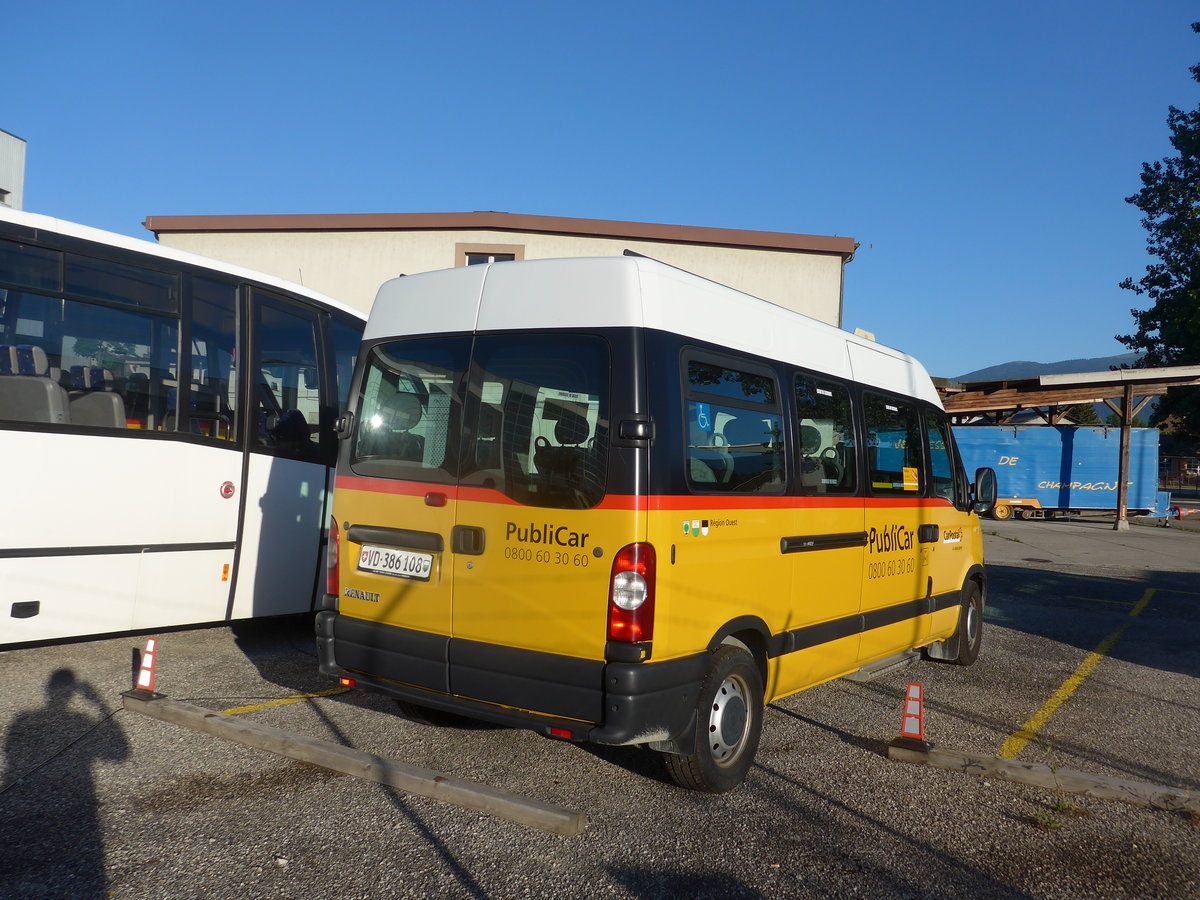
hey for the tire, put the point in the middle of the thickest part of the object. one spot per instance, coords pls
(1002, 511)
(729, 717)
(970, 625)
(427, 715)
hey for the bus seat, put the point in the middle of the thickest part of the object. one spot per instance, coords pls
(570, 430)
(8, 359)
(708, 457)
(812, 472)
(293, 437)
(29, 394)
(95, 403)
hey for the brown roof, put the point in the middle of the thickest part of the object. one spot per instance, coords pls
(501, 221)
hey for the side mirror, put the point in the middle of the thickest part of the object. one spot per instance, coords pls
(985, 491)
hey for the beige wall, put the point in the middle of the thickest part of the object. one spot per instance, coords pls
(351, 265)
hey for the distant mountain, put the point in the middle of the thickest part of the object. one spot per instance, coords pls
(1026, 369)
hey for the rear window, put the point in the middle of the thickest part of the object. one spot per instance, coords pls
(538, 418)
(530, 420)
(409, 410)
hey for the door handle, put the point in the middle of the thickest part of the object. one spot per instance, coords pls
(928, 534)
(468, 539)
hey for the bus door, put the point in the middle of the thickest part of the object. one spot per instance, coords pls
(284, 498)
(947, 557)
(534, 541)
(827, 546)
(895, 583)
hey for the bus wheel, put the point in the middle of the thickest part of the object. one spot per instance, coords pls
(427, 715)
(970, 625)
(728, 725)
(1002, 511)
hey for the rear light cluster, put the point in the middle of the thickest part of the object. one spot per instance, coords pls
(631, 595)
(332, 552)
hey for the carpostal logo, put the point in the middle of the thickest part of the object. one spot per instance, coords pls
(952, 535)
(890, 539)
(547, 533)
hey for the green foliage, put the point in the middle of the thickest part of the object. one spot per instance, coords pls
(1084, 414)
(1168, 331)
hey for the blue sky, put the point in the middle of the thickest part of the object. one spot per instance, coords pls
(981, 153)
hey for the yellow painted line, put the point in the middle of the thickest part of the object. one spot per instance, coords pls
(1017, 740)
(298, 698)
(1099, 600)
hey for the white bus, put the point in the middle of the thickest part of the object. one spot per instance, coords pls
(166, 434)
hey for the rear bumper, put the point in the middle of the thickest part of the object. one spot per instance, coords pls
(601, 702)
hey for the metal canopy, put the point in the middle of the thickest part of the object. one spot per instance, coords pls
(1125, 391)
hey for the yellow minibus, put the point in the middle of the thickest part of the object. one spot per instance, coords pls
(612, 501)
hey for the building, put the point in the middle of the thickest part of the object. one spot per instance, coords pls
(350, 256)
(12, 170)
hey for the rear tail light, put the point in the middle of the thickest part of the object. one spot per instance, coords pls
(631, 595)
(332, 552)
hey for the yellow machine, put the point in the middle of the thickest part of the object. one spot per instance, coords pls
(611, 501)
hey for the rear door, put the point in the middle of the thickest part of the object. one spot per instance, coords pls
(533, 539)
(396, 500)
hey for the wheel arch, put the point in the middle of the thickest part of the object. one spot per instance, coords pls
(750, 632)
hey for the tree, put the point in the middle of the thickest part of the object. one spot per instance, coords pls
(1168, 332)
(1083, 414)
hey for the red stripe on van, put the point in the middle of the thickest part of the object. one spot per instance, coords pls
(635, 502)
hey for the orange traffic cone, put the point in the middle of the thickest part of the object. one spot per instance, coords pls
(145, 676)
(912, 721)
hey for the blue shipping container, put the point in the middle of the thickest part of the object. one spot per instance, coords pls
(1065, 467)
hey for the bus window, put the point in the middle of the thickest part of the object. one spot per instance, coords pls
(287, 390)
(541, 421)
(95, 366)
(827, 460)
(409, 407)
(941, 466)
(213, 380)
(734, 431)
(893, 445)
(346, 338)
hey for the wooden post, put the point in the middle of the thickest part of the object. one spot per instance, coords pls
(1123, 467)
(425, 783)
(1103, 787)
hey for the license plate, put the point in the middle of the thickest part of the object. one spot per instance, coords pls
(400, 563)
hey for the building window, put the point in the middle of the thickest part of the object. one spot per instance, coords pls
(479, 254)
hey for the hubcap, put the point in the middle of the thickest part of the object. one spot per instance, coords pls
(972, 622)
(727, 721)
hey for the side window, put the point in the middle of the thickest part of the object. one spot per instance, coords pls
(827, 459)
(213, 381)
(346, 339)
(539, 418)
(893, 445)
(409, 409)
(734, 430)
(63, 361)
(941, 457)
(286, 381)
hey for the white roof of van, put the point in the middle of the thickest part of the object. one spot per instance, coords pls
(616, 291)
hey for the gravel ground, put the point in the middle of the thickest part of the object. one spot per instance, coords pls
(101, 802)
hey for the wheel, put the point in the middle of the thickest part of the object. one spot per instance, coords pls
(728, 724)
(1025, 514)
(970, 625)
(1002, 511)
(427, 715)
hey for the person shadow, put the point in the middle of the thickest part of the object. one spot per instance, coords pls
(51, 837)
